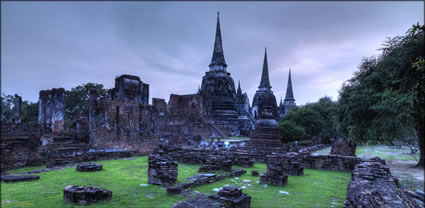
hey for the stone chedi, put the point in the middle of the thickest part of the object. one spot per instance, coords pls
(246, 121)
(219, 88)
(264, 97)
(289, 101)
(85, 195)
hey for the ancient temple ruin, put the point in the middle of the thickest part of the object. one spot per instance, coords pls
(123, 119)
(289, 101)
(51, 109)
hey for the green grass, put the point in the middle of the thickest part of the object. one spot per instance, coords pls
(122, 177)
(384, 152)
(317, 188)
(27, 169)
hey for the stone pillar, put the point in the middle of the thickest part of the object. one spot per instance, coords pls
(42, 120)
(17, 109)
(57, 109)
(145, 94)
(92, 114)
(48, 115)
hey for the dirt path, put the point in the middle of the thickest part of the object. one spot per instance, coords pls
(409, 176)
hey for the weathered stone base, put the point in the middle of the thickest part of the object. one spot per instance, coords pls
(162, 170)
(273, 180)
(373, 185)
(232, 197)
(201, 179)
(19, 178)
(85, 195)
(89, 167)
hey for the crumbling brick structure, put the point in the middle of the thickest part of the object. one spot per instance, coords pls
(342, 147)
(373, 185)
(21, 146)
(123, 119)
(162, 168)
(275, 172)
(17, 110)
(51, 109)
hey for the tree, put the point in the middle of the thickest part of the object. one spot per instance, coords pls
(385, 100)
(290, 131)
(29, 112)
(317, 119)
(77, 101)
(6, 107)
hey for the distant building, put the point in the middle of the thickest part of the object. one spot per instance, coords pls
(264, 97)
(289, 101)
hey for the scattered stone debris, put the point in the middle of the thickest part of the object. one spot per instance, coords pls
(255, 173)
(283, 192)
(342, 147)
(85, 195)
(162, 169)
(275, 172)
(89, 167)
(233, 197)
(373, 185)
(201, 179)
(19, 178)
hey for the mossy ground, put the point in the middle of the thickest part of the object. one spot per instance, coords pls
(316, 188)
(384, 152)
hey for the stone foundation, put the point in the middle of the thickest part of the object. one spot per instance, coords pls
(19, 178)
(89, 167)
(233, 197)
(85, 195)
(373, 185)
(162, 170)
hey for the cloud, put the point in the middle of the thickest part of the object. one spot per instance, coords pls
(169, 44)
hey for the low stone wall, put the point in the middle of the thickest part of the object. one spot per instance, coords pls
(373, 185)
(20, 146)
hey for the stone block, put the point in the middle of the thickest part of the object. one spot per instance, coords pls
(85, 195)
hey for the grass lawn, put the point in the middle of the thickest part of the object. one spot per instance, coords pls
(384, 152)
(317, 188)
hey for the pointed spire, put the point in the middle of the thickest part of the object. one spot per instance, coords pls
(218, 55)
(281, 103)
(239, 92)
(289, 94)
(265, 83)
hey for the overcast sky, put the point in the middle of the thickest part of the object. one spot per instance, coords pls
(169, 44)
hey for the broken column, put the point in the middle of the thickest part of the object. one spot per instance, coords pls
(232, 197)
(342, 147)
(275, 172)
(51, 109)
(17, 109)
(162, 169)
(85, 195)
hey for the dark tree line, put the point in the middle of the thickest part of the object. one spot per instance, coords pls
(76, 105)
(384, 101)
